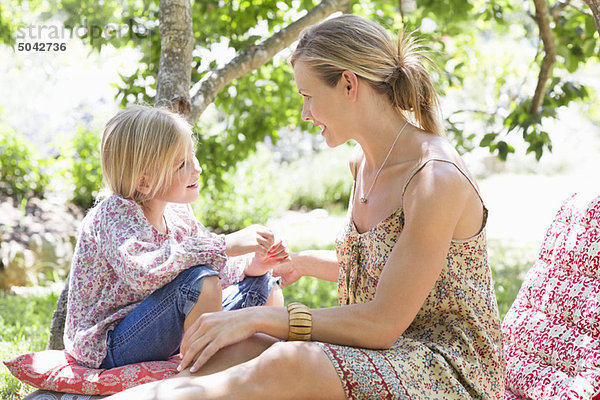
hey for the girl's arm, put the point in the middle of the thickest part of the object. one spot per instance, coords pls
(433, 205)
(141, 256)
(254, 264)
(234, 270)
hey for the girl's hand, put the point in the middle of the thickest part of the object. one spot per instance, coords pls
(277, 255)
(252, 239)
(211, 332)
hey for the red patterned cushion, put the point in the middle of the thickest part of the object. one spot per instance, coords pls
(57, 370)
(552, 331)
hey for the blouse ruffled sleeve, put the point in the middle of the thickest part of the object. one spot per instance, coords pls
(233, 272)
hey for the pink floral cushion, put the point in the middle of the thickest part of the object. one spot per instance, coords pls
(56, 370)
(552, 331)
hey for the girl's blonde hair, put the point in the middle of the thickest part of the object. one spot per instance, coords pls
(356, 44)
(142, 141)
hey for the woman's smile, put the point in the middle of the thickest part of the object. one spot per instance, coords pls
(323, 128)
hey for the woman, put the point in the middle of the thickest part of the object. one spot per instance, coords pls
(418, 316)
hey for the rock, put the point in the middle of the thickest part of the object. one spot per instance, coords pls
(18, 265)
(51, 249)
(35, 237)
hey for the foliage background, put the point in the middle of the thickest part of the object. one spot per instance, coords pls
(256, 106)
(261, 163)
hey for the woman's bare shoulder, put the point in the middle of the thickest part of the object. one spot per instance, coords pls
(438, 147)
(434, 176)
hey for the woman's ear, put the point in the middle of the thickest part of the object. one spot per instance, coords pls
(349, 82)
(143, 186)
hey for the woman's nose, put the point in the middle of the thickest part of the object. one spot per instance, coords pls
(306, 115)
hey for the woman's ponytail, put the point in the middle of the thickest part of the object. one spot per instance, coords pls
(410, 87)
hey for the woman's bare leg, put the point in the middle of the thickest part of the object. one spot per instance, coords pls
(285, 370)
(233, 355)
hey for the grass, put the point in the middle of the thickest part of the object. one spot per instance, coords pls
(25, 320)
(24, 327)
(509, 265)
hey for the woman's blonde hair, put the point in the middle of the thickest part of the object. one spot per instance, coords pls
(356, 44)
(142, 141)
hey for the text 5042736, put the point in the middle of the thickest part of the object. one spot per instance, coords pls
(41, 46)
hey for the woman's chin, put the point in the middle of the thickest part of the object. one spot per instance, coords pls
(331, 143)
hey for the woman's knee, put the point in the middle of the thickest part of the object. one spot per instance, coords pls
(294, 367)
(284, 358)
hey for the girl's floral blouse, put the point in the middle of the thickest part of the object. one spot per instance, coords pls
(120, 259)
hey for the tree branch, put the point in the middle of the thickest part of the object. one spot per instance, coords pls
(176, 44)
(594, 5)
(542, 17)
(558, 8)
(255, 56)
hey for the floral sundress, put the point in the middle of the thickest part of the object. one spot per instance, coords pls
(453, 347)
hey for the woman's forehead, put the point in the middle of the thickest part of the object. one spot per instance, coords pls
(304, 75)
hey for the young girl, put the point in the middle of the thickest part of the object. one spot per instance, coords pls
(144, 268)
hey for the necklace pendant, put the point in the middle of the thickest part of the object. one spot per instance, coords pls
(363, 200)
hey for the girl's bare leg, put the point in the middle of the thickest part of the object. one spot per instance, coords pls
(276, 297)
(209, 300)
(285, 370)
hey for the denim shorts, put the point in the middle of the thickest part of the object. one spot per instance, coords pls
(153, 330)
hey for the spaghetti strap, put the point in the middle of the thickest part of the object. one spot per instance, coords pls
(420, 167)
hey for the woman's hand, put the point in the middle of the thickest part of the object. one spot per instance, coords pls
(288, 272)
(211, 332)
(254, 238)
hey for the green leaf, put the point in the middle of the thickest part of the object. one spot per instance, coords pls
(504, 149)
(488, 139)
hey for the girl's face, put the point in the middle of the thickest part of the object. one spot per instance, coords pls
(184, 187)
(323, 105)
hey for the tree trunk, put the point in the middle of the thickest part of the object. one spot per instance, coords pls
(55, 341)
(594, 5)
(176, 45)
(542, 17)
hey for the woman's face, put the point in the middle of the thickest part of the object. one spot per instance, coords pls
(323, 105)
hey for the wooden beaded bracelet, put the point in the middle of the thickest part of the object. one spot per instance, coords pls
(300, 319)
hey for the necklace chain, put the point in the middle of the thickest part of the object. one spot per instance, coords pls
(363, 199)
